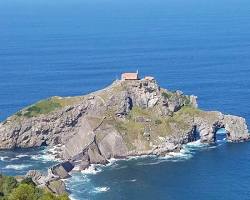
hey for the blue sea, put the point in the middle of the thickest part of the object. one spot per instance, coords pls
(73, 47)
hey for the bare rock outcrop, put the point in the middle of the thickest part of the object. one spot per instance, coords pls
(48, 181)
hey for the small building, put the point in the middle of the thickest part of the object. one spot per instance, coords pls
(130, 76)
(149, 78)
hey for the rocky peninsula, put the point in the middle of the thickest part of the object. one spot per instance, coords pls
(128, 118)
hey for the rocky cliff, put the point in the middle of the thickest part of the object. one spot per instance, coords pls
(127, 118)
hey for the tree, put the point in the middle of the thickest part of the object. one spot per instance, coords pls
(7, 184)
(23, 192)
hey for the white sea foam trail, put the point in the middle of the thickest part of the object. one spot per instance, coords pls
(45, 157)
(22, 156)
(18, 167)
(3, 158)
(101, 189)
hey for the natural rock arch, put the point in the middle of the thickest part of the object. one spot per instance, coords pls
(235, 127)
(218, 127)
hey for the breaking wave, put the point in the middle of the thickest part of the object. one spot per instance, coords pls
(43, 157)
(92, 169)
(48, 154)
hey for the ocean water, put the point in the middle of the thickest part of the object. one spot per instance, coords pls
(20, 161)
(74, 47)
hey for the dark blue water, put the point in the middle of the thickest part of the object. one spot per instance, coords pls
(73, 47)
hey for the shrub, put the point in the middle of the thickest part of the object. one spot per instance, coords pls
(23, 192)
(28, 181)
(166, 95)
(10, 189)
(50, 196)
(7, 184)
(158, 121)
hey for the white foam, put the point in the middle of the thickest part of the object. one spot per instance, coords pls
(140, 157)
(112, 161)
(18, 167)
(48, 154)
(178, 156)
(22, 156)
(77, 179)
(3, 158)
(195, 144)
(76, 168)
(44, 157)
(101, 189)
(14, 159)
(71, 196)
(92, 169)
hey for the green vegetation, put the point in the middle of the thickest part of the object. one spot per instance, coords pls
(167, 95)
(42, 107)
(188, 110)
(173, 96)
(141, 120)
(10, 189)
(48, 105)
(138, 122)
(158, 122)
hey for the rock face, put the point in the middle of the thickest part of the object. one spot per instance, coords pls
(127, 118)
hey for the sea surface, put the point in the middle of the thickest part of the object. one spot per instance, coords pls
(72, 47)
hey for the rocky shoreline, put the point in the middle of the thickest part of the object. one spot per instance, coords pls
(128, 118)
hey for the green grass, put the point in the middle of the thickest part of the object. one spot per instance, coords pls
(138, 112)
(42, 107)
(189, 110)
(47, 106)
(159, 125)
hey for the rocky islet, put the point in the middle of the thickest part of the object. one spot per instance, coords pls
(128, 118)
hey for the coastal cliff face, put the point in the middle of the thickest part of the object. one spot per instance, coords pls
(127, 118)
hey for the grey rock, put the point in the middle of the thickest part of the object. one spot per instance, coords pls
(37, 177)
(62, 170)
(113, 146)
(56, 186)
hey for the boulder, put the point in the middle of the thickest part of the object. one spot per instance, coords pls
(37, 177)
(95, 156)
(62, 170)
(56, 186)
